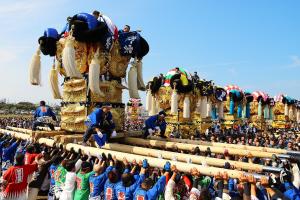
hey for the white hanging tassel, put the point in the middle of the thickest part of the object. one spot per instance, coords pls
(68, 59)
(132, 83)
(153, 106)
(54, 80)
(204, 107)
(266, 112)
(158, 109)
(221, 110)
(286, 110)
(140, 81)
(244, 111)
(271, 114)
(208, 108)
(94, 75)
(174, 102)
(198, 106)
(291, 114)
(35, 69)
(148, 100)
(259, 109)
(186, 107)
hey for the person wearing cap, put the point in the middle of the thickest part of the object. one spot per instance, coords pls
(43, 116)
(100, 124)
(155, 123)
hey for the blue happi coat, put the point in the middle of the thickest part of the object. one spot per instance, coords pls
(97, 182)
(153, 193)
(44, 111)
(153, 121)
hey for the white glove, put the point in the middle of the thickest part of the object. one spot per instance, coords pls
(114, 134)
(88, 154)
(100, 134)
(157, 128)
(150, 131)
(174, 158)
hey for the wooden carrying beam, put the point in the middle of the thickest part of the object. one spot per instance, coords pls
(280, 152)
(48, 129)
(154, 162)
(225, 145)
(191, 147)
(185, 157)
(38, 134)
(23, 136)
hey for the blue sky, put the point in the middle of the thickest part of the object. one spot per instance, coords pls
(254, 44)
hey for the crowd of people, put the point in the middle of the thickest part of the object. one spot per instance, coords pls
(20, 122)
(30, 169)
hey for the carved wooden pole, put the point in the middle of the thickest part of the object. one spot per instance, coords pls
(154, 162)
(191, 147)
(184, 157)
(226, 145)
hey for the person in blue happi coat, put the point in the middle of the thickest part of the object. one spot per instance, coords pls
(100, 124)
(149, 190)
(43, 116)
(155, 123)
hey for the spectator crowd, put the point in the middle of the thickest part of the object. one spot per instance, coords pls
(30, 169)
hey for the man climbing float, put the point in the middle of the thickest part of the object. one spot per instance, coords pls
(155, 123)
(100, 125)
(43, 116)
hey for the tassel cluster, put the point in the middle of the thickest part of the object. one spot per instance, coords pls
(132, 83)
(204, 107)
(259, 111)
(208, 108)
(140, 81)
(186, 107)
(148, 100)
(153, 106)
(221, 110)
(94, 75)
(68, 59)
(35, 69)
(54, 81)
(174, 102)
(286, 110)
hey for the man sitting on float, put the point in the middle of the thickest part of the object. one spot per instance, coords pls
(43, 116)
(100, 124)
(155, 123)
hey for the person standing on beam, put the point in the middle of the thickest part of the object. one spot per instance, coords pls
(43, 116)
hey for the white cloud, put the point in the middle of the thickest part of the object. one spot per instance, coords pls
(7, 56)
(15, 14)
(19, 7)
(222, 64)
(295, 61)
(232, 71)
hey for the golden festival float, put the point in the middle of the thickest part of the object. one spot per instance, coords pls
(92, 57)
(191, 104)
